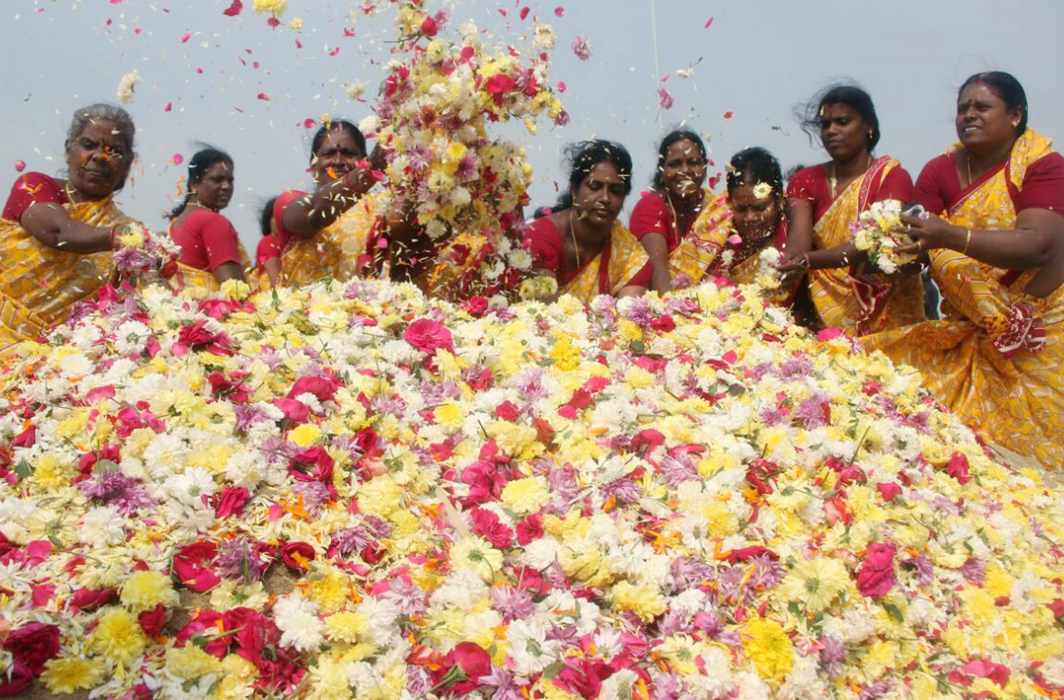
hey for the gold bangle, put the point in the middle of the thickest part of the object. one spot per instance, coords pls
(967, 241)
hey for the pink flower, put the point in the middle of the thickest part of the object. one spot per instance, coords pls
(876, 576)
(581, 48)
(323, 388)
(191, 565)
(957, 467)
(888, 490)
(296, 556)
(665, 100)
(531, 528)
(982, 668)
(487, 525)
(428, 336)
(231, 501)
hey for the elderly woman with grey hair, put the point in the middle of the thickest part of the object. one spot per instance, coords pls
(56, 235)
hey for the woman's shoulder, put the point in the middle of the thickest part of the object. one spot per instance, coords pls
(807, 182)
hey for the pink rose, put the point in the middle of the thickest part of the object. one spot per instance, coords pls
(231, 501)
(294, 411)
(876, 576)
(152, 621)
(323, 388)
(888, 490)
(957, 467)
(191, 565)
(428, 336)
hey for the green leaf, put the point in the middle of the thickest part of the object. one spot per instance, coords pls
(894, 612)
(553, 670)
(23, 469)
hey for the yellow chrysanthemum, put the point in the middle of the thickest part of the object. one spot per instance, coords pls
(815, 583)
(146, 589)
(118, 637)
(769, 648)
(190, 662)
(645, 601)
(524, 496)
(346, 626)
(305, 435)
(68, 674)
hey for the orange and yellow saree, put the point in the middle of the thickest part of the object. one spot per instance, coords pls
(338, 251)
(39, 285)
(997, 360)
(858, 305)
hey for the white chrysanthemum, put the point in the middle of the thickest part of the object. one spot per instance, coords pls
(130, 337)
(102, 526)
(297, 618)
(462, 589)
(529, 648)
(127, 84)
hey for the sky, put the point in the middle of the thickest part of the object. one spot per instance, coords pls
(238, 84)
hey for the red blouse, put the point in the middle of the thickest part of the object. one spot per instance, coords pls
(812, 184)
(548, 253)
(651, 215)
(32, 188)
(939, 186)
(207, 240)
(267, 249)
(279, 204)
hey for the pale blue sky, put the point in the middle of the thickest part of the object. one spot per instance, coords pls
(758, 60)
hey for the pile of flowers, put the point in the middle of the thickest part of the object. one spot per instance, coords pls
(432, 118)
(139, 253)
(353, 491)
(879, 232)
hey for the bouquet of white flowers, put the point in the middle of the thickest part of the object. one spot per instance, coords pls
(879, 232)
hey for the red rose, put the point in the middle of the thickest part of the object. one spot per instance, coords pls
(663, 324)
(153, 621)
(323, 388)
(428, 336)
(876, 575)
(91, 598)
(507, 411)
(18, 678)
(297, 556)
(647, 439)
(294, 411)
(429, 27)
(191, 565)
(499, 84)
(33, 644)
(231, 501)
(465, 665)
(205, 623)
(475, 306)
(531, 528)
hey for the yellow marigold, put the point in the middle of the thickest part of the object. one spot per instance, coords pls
(449, 415)
(769, 648)
(629, 330)
(118, 637)
(191, 662)
(524, 496)
(330, 591)
(566, 357)
(346, 626)
(68, 674)
(146, 589)
(645, 601)
(305, 435)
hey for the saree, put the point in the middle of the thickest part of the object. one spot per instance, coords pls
(40, 285)
(868, 304)
(217, 244)
(996, 361)
(692, 254)
(338, 251)
(609, 272)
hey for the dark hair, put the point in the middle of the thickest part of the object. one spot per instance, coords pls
(754, 165)
(266, 217)
(1005, 86)
(672, 137)
(198, 166)
(583, 156)
(330, 126)
(839, 94)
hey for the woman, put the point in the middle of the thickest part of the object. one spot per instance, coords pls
(996, 249)
(756, 203)
(210, 247)
(56, 235)
(324, 233)
(581, 244)
(680, 223)
(824, 200)
(268, 253)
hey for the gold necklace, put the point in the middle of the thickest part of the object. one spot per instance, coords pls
(572, 234)
(833, 180)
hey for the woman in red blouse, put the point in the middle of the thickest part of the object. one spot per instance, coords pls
(268, 251)
(825, 199)
(210, 247)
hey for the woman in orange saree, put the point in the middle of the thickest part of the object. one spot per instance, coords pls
(824, 200)
(997, 254)
(56, 236)
(681, 223)
(211, 252)
(324, 234)
(581, 244)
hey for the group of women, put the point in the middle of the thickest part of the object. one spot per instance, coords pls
(992, 239)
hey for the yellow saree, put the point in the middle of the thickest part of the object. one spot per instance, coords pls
(699, 251)
(860, 306)
(337, 251)
(38, 284)
(1007, 384)
(612, 269)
